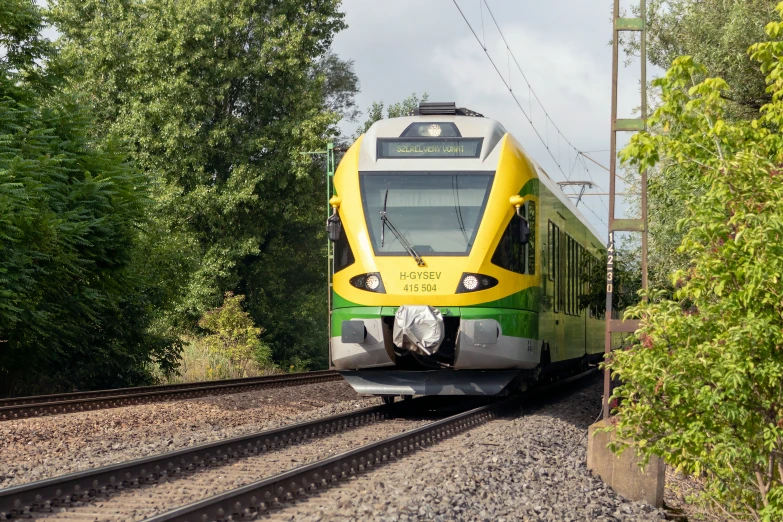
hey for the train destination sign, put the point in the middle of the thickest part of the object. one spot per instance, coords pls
(429, 147)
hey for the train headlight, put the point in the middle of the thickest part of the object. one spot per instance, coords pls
(430, 131)
(470, 283)
(475, 282)
(371, 282)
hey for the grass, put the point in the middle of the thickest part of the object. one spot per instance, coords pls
(198, 363)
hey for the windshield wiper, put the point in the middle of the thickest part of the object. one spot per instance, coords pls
(458, 209)
(404, 242)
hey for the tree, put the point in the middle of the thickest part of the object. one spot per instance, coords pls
(701, 384)
(395, 110)
(716, 33)
(627, 279)
(219, 98)
(340, 86)
(74, 310)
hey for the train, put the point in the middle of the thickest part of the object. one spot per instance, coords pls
(458, 265)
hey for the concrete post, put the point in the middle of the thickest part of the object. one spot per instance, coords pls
(622, 473)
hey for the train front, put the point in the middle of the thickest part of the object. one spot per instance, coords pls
(435, 289)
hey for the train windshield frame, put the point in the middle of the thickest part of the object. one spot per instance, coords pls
(438, 212)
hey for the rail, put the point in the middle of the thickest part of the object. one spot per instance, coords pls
(36, 406)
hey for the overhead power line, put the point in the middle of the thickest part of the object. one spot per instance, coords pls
(543, 136)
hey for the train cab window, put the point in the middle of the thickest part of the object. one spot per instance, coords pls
(343, 254)
(510, 254)
(438, 213)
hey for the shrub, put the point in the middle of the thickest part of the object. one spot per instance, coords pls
(234, 335)
(703, 380)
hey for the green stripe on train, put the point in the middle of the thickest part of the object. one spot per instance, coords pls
(514, 323)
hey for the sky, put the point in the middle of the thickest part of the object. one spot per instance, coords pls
(562, 46)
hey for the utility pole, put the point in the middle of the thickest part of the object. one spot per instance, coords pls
(621, 25)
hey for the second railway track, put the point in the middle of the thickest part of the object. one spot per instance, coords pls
(36, 406)
(254, 473)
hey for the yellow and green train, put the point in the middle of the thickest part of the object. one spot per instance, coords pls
(458, 264)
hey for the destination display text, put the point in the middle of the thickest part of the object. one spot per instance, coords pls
(429, 148)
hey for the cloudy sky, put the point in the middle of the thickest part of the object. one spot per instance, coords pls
(417, 46)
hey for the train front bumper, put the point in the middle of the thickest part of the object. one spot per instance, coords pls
(431, 382)
(487, 339)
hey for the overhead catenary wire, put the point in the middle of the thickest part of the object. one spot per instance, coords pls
(579, 155)
(528, 115)
(511, 53)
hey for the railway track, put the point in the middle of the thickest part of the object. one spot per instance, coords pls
(108, 493)
(36, 406)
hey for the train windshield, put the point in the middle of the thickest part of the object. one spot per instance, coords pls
(438, 213)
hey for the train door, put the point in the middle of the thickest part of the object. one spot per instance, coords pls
(556, 278)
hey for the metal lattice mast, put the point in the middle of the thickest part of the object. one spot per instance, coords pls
(330, 168)
(624, 225)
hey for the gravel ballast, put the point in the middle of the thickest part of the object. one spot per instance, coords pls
(43, 447)
(141, 503)
(528, 467)
(508, 470)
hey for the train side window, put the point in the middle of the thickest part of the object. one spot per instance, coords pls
(578, 284)
(574, 248)
(561, 273)
(552, 250)
(555, 246)
(531, 246)
(568, 275)
(343, 255)
(597, 267)
(510, 254)
(589, 269)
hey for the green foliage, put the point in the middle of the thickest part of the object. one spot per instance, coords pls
(75, 311)
(20, 38)
(627, 280)
(233, 334)
(395, 110)
(218, 99)
(702, 381)
(717, 34)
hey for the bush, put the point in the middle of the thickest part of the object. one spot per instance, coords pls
(703, 381)
(234, 336)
